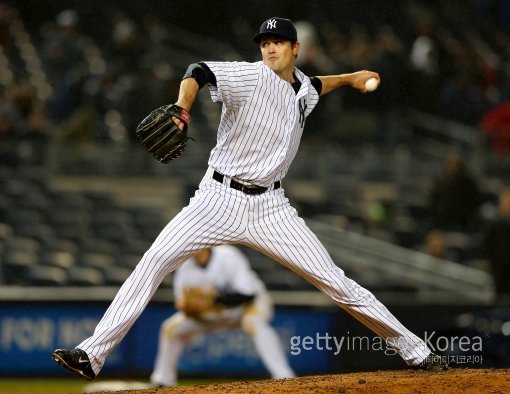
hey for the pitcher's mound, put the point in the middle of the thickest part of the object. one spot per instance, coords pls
(406, 381)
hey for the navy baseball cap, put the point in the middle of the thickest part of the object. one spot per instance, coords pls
(277, 27)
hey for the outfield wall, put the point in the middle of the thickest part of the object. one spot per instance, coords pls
(30, 331)
(310, 326)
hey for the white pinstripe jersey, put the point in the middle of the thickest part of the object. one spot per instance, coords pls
(261, 123)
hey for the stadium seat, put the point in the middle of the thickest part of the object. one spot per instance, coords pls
(69, 222)
(36, 200)
(84, 276)
(69, 215)
(5, 204)
(5, 231)
(42, 275)
(97, 260)
(37, 231)
(100, 200)
(115, 276)
(134, 246)
(73, 232)
(22, 243)
(60, 259)
(16, 263)
(56, 244)
(17, 187)
(115, 216)
(97, 245)
(148, 221)
(128, 260)
(22, 216)
(70, 199)
(118, 233)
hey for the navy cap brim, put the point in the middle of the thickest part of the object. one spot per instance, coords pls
(258, 37)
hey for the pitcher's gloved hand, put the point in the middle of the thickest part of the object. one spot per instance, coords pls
(161, 135)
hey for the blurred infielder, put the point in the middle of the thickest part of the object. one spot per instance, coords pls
(241, 199)
(214, 290)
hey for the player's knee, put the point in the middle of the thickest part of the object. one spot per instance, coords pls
(250, 322)
(170, 327)
(247, 325)
(155, 256)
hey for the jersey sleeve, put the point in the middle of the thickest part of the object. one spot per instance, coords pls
(235, 81)
(317, 84)
(313, 95)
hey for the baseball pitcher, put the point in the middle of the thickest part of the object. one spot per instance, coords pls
(241, 198)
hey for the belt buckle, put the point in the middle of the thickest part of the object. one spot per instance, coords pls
(250, 189)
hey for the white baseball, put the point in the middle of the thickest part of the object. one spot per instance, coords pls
(371, 84)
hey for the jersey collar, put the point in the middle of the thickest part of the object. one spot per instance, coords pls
(298, 74)
(303, 90)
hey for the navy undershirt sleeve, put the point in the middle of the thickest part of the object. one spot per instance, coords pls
(201, 73)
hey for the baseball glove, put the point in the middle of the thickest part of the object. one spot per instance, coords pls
(161, 136)
(197, 301)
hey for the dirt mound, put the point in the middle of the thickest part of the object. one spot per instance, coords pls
(407, 381)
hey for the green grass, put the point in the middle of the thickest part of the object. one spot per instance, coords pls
(71, 386)
(41, 386)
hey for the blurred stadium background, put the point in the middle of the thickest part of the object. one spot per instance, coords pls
(80, 201)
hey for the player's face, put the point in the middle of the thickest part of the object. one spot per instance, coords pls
(279, 54)
(202, 257)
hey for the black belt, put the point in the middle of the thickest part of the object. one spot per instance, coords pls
(246, 189)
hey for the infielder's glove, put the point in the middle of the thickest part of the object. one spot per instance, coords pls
(160, 134)
(197, 301)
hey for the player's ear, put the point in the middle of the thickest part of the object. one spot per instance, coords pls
(295, 48)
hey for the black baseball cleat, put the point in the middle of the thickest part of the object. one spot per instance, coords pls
(432, 363)
(76, 361)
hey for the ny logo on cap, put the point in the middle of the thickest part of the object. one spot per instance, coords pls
(271, 24)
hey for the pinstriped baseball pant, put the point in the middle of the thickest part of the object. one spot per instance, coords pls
(218, 215)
